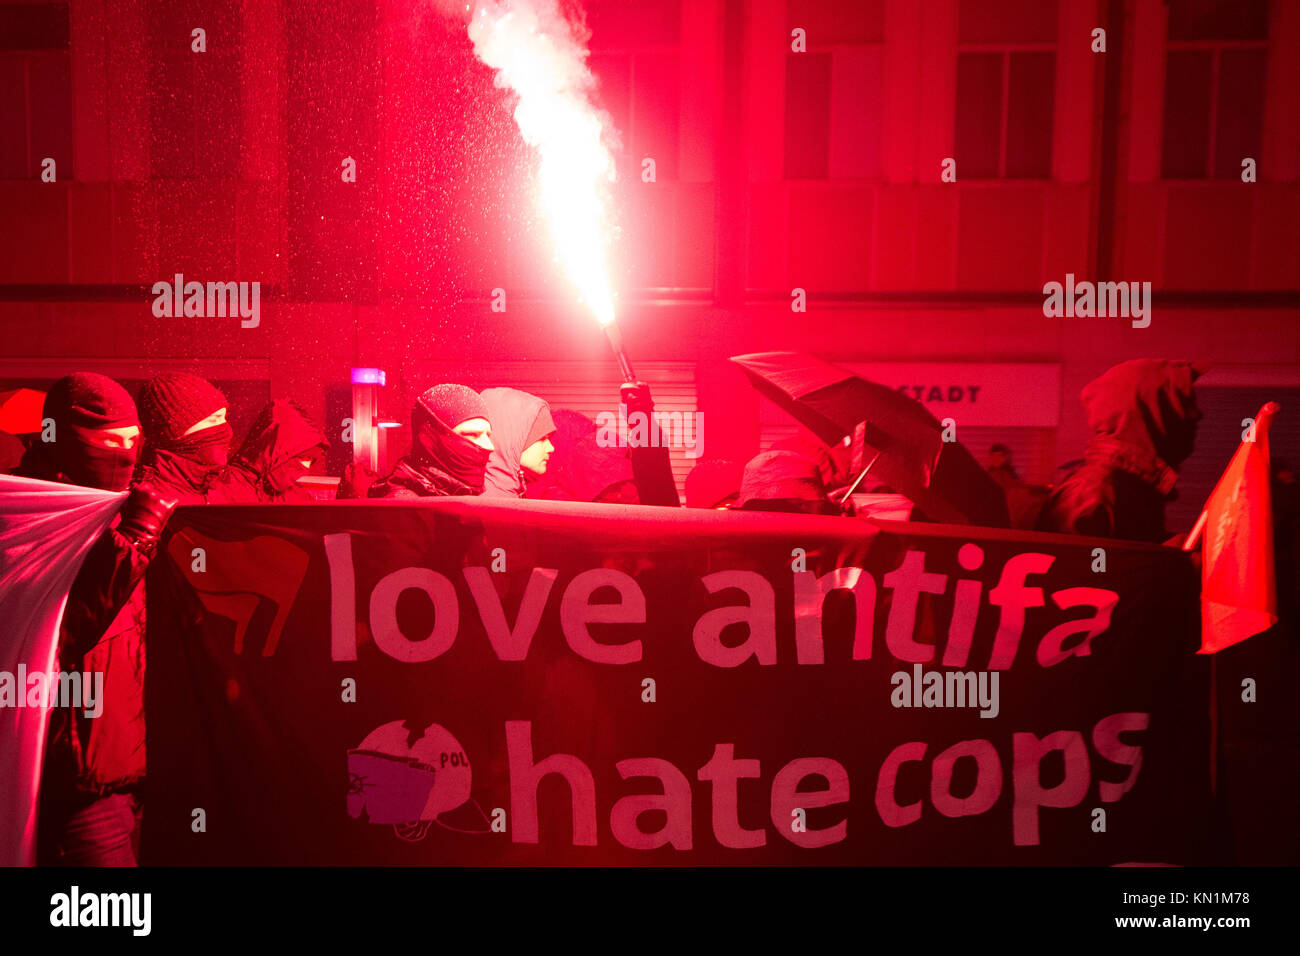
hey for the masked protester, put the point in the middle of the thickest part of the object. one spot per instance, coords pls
(1143, 414)
(89, 803)
(521, 441)
(187, 438)
(281, 447)
(451, 444)
(95, 435)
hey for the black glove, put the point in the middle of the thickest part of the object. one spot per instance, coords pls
(636, 396)
(144, 514)
(651, 466)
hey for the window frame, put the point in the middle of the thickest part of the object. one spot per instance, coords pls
(830, 48)
(1215, 48)
(1006, 49)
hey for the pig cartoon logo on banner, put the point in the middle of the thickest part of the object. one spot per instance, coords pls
(407, 785)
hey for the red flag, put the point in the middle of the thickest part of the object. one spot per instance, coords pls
(1238, 589)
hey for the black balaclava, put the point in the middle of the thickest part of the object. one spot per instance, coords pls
(209, 447)
(436, 445)
(80, 404)
(285, 476)
(170, 405)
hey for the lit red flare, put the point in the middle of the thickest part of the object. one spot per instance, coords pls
(536, 54)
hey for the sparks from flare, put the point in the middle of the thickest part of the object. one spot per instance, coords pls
(535, 53)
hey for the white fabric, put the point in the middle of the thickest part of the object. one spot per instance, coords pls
(46, 529)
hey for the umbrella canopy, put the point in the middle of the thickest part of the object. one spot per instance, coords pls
(942, 478)
(20, 411)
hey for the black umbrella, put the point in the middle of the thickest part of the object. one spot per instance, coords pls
(941, 478)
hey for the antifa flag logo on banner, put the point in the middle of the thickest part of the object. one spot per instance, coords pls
(483, 682)
(245, 577)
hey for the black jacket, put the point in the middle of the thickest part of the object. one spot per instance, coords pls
(282, 433)
(102, 630)
(411, 478)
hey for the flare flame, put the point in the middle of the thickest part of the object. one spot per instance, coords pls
(541, 55)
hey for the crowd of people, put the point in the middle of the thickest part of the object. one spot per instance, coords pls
(172, 447)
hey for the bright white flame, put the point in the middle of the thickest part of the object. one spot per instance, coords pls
(535, 53)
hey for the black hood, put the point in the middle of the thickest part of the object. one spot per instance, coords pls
(281, 434)
(1146, 406)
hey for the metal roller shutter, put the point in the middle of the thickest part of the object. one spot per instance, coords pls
(1219, 435)
(582, 387)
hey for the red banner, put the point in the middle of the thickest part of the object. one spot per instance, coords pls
(466, 681)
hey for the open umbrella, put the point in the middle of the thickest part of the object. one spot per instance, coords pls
(941, 478)
(20, 411)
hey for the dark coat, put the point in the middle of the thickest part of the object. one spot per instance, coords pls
(1143, 414)
(102, 630)
(106, 753)
(581, 468)
(411, 478)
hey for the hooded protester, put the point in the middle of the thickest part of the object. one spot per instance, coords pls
(784, 481)
(450, 447)
(1143, 414)
(521, 441)
(94, 438)
(281, 448)
(89, 806)
(187, 438)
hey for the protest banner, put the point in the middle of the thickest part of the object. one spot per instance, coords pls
(465, 681)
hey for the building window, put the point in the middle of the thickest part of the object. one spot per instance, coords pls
(1006, 80)
(194, 98)
(1214, 87)
(35, 90)
(634, 56)
(834, 90)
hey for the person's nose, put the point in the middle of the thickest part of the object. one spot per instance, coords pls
(485, 443)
